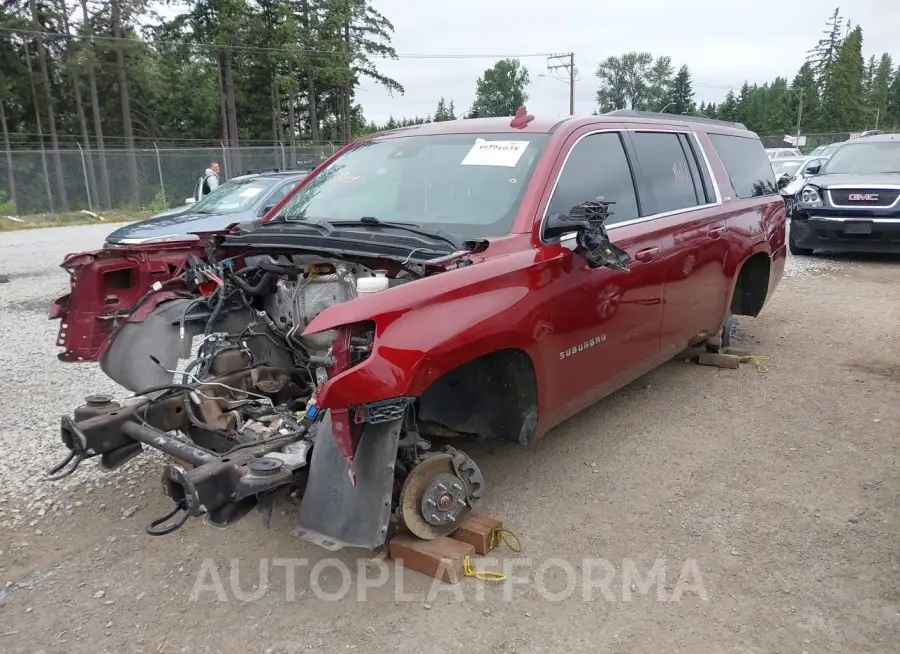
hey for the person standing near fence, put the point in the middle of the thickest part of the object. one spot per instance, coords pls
(210, 180)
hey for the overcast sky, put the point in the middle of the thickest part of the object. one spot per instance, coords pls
(723, 42)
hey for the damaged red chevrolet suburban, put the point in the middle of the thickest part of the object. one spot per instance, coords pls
(472, 278)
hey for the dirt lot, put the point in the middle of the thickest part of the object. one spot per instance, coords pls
(774, 494)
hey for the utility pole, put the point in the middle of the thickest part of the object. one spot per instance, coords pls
(799, 116)
(565, 62)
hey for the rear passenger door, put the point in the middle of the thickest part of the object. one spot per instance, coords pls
(676, 178)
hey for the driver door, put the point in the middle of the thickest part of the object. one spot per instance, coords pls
(606, 323)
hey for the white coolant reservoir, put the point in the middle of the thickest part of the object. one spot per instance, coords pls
(368, 285)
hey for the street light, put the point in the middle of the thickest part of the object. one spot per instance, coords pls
(663, 110)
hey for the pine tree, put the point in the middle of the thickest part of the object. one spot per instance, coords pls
(444, 111)
(893, 102)
(728, 109)
(810, 113)
(682, 93)
(880, 90)
(824, 54)
(843, 101)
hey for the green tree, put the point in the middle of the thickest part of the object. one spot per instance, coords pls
(682, 93)
(444, 111)
(728, 108)
(660, 79)
(880, 88)
(624, 82)
(501, 90)
(804, 86)
(893, 101)
(843, 99)
(823, 56)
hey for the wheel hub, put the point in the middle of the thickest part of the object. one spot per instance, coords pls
(434, 498)
(443, 500)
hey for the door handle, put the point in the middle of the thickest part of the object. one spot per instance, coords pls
(647, 254)
(716, 232)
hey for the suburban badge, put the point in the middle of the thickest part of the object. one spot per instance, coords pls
(581, 347)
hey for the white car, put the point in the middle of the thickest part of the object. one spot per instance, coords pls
(782, 153)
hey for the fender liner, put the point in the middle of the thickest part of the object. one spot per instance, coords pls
(334, 513)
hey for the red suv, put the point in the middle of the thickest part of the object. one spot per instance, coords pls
(471, 278)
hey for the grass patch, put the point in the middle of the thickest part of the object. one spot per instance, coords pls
(38, 221)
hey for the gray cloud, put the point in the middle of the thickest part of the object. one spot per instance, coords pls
(723, 43)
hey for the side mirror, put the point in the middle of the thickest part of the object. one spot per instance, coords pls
(592, 242)
(812, 169)
(190, 200)
(265, 210)
(783, 180)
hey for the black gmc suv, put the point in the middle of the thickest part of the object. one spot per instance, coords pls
(851, 204)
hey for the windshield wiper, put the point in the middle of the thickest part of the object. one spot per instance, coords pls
(322, 225)
(371, 221)
(328, 226)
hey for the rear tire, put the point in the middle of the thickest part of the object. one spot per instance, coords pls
(796, 249)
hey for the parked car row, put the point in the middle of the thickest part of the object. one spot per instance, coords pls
(846, 197)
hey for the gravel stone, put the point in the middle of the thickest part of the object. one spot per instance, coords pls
(42, 388)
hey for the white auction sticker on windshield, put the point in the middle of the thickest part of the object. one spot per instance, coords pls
(495, 153)
(251, 192)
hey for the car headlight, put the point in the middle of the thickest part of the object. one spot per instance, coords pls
(810, 196)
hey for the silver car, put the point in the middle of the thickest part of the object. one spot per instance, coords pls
(240, 199)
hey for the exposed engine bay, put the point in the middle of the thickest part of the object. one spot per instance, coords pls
(226, 383)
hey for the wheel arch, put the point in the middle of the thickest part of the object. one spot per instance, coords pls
(750, 288)
(493, 395)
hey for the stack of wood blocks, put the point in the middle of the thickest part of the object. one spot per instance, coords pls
(444, 557)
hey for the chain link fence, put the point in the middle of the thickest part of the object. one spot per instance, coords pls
(71, 180)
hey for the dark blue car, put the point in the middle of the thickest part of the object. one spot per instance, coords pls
(240, 199)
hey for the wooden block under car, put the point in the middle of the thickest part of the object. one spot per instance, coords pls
(441, 558)
(476, 530)
(719, 360)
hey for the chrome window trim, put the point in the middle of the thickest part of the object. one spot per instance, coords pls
(640, 219)
(862, 187)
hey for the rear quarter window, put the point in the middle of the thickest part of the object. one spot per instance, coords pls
(747, 165)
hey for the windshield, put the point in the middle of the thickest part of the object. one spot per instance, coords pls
(465, 184)
(234, 196)
(865, 159)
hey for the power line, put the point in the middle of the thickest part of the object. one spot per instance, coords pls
(566, 62)
(251, 48)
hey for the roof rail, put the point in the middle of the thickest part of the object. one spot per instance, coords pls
(631, 113)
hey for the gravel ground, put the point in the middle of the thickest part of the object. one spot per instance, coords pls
(779, 487)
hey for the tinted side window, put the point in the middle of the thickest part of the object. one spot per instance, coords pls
(666, 168)
(747, 165)
(597, 169)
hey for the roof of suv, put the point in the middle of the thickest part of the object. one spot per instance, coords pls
(550, 125)
(875, 138)
(272, 173)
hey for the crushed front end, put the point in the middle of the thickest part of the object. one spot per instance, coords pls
(227, 381)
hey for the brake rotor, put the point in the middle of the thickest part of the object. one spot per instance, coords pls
(433, 498)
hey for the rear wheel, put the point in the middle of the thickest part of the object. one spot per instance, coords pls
(796, 249)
